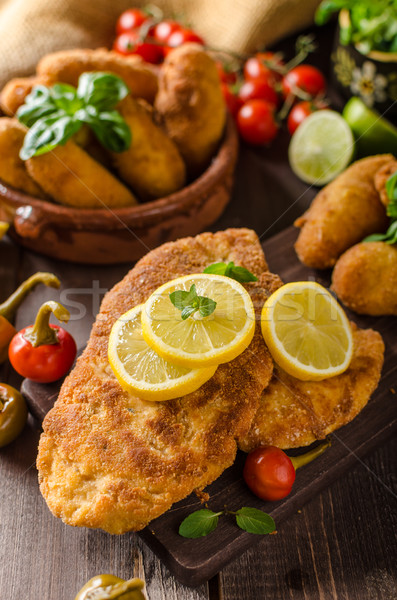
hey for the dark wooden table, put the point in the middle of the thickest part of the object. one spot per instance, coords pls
(341, 545)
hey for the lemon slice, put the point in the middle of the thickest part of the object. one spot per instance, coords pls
(307, 332)
(141, 370)
(200, 341)
(321, 147)
(3, 228)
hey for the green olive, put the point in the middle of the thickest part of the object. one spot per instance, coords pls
(13, 414)
(110, 587)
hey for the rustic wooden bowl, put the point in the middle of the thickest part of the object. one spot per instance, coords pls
(108, 236)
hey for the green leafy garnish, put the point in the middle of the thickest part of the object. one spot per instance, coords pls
(391, 190)
(254, 520)
(56, 113)
(202, 522)
(230, 270)
(372, 26)
(199, 523)
(189, 302)
(390, 237)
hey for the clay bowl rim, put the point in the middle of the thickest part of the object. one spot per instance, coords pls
(67, 217)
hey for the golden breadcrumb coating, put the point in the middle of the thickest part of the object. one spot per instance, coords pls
(342, 214)
(295, 413)
(108, 459)
(365, 278)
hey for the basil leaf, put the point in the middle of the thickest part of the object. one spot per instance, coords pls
(254, 520)
(391, 190)
(240, 274)
(65, 98)
(189, 302)
(206, 306)
(199, 523)
(182, 299)
(48, 133)
(38, 104)
(390, 237)
(102, 90)
(109, 127)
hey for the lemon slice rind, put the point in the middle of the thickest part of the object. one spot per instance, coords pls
(176, 381)
(317, 339)
(232, 322)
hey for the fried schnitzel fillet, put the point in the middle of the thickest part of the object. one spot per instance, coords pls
(110, 460)
(295, 413)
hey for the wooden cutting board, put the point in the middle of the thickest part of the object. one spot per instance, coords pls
(195, 561)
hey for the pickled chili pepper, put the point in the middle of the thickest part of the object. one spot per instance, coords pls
(270, 473)
(44, 352)
(13, 414)
(110, 587)
(9, 307)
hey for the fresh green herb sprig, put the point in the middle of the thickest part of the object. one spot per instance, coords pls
(189, 302)
(54, 114)
(372, 26)
(202, 522)
(240, 274)
(390, 237)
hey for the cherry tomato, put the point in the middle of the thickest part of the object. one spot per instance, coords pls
(163, 30)
(270, 473)
(130, 43)
(225, 75)
(259, 89)
(181, 36)
(306, 78)
(300, 111)
(233, 102)
(256, 122)
(130, 19)
(258, 66)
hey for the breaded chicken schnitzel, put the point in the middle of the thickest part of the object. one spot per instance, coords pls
(110, 460)
(295, 413)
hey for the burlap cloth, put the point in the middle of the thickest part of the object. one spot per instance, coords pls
(31, 28)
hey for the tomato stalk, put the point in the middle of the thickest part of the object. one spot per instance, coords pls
(41, 333)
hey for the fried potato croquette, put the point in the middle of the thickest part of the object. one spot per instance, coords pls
(12, 167)
(152, 165)
(66, 66)
(342, 214)
(73, 178)
(294, 413)
(365, 278)
(13, 95)
(108, 459)
(191, 105)
(381, 177)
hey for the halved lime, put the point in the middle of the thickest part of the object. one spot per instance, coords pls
(373, 133)
(3, 228)
(321, 147)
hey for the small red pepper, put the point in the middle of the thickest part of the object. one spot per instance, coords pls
(270, 473)
(43, 352)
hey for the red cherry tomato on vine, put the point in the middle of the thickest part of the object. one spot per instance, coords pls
(43, 352)
(130, 19)
(163, 30)
(306, 78)
(256, 122)
(270, 473)
(259, 66)
(300, 111)
(258, 89)
(224, 75)
(130, 43)
(181, 36)
(233, 102)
